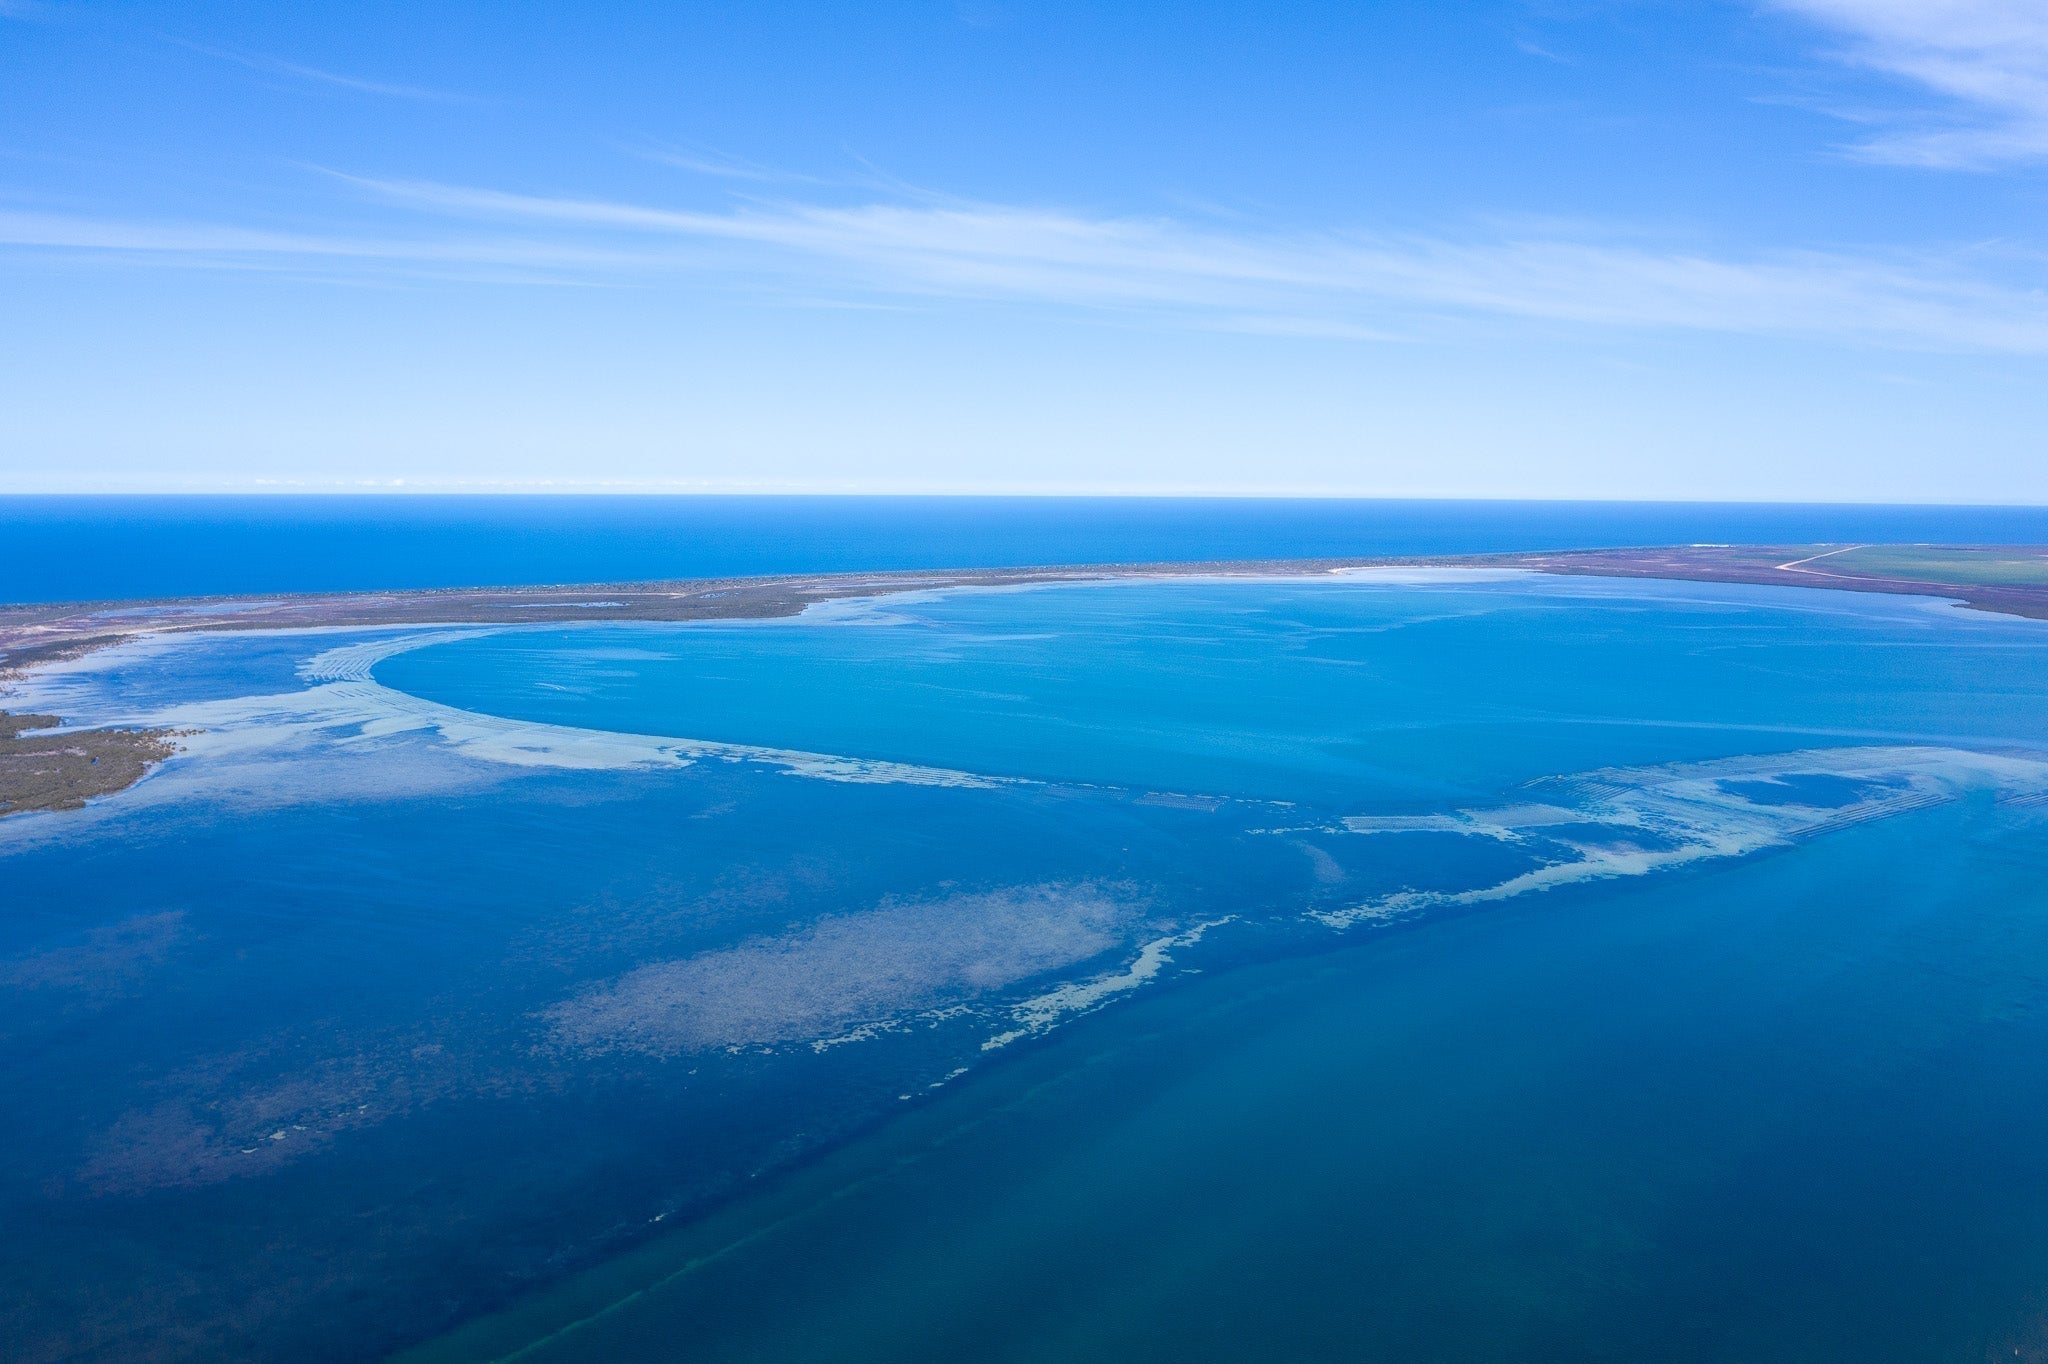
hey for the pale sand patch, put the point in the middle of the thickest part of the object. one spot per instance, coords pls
(844, 971)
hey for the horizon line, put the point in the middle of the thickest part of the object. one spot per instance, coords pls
(388, 492)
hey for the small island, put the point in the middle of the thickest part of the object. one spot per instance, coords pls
(44, 768)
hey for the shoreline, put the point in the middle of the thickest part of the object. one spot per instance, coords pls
(34, 636)
(46, 767)
(37, 633)
(610, 1269)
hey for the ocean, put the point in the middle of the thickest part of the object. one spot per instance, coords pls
(98, 548)
(1408, 965)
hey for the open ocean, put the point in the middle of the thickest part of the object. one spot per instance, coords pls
(61, 548)
(1407, 965)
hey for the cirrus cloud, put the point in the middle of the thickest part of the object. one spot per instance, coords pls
(1986, 59)
(1329, 284)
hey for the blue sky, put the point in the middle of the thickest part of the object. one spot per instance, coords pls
(1789, 250)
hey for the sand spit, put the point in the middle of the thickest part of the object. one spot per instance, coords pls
(344, 688)
(36, 634)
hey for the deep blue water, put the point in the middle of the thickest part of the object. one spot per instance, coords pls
(1788, 1112)
(1335, 968)
(81, 548)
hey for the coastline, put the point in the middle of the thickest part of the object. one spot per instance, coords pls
(1804, 566)
(46, 767)
(36, 635)
(349, 653)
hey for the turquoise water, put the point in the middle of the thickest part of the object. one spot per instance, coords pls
(1344, 968)
(1288, 691)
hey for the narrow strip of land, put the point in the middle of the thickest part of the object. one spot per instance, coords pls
(1825, 554)
(53, 771)
(2008, 579)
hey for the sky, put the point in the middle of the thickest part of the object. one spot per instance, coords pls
(1788, 250)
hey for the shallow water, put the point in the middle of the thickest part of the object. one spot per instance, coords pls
(1784, 1111)
(1379, 689)
(1479, 966)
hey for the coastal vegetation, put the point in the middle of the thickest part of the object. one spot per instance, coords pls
(2005, 579)
(43, 767)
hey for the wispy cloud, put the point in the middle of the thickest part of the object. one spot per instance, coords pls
(1327, 284)
(1986, 59)
(727, 167)
(221, 244)
(277, 66)
(1532, 49)
(1324, 281)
